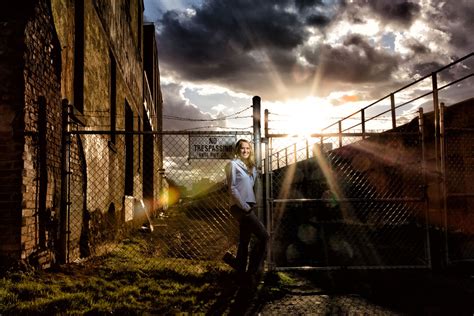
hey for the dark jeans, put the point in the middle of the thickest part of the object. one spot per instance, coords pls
(248, 225)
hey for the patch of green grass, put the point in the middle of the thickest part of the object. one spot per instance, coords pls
(276, 284)
(126, 281)
(285, 279)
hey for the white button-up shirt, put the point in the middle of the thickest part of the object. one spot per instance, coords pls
(240, 184)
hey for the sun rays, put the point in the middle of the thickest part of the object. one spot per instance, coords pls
(372, 184)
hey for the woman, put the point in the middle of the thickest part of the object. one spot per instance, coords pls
(241, 174)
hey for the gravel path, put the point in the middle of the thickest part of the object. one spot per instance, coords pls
(404, 294)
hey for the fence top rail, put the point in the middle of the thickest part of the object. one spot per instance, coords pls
(84, 132)
(407, 86)
(348, 134)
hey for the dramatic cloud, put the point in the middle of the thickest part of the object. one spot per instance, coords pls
(241, 44)
(175, 106)
(289, 49)
(355, 61)
(402, 12)
(456, 19)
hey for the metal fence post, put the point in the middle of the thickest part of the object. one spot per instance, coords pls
(442, 153)
(258, 155)
(421, 126)
(392, 109)
(63, 211)
(362, 118)
(434, 83)
(268, 199)
(307, 148)
(339, 124)
(265, 124)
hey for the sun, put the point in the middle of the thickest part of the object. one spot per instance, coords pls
(306, 123)
(300, 118)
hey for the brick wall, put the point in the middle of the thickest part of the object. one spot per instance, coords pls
(30, 71)
(111, 36)
(11, 136)
(42, 72)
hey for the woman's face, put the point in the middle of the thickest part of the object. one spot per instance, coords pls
(244, 150)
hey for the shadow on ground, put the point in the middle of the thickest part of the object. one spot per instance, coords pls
(408, 292)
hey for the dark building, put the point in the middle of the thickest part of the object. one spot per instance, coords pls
(74, 66)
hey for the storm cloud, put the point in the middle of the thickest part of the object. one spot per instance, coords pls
(286, 48)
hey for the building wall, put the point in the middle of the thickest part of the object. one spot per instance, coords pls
(34, 107)
(63, 17)
(152, 71)
(39, 74)
(11, 127)
(112, 39)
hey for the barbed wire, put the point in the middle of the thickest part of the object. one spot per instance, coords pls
(224, 127)
(166, 117)
(173, 117)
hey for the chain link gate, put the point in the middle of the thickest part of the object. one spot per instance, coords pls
(361, 205)
(457, 172)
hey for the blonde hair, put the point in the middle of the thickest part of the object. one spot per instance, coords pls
(250, 162)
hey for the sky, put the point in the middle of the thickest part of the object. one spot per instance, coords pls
(311, 61)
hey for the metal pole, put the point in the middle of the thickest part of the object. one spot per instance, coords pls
(268, 202)
(258, 155)
(266, 123)
(392, 105)
(442, 147)
(421, 124)
(63, 211)
(340, 133)
(434, 82)
(362, 117)
(307, 148)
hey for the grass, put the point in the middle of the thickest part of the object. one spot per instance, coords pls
(129, 281)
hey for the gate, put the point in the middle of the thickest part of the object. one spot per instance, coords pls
(457, 175)
(361, 205)
(398, 196)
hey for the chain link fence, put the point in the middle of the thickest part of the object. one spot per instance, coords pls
(459, 194)
(170, 201)
(195, 222)
(349, 201)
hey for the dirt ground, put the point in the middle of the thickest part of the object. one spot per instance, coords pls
(370, 293)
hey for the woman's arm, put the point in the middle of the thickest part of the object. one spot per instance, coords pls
(232, 187)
